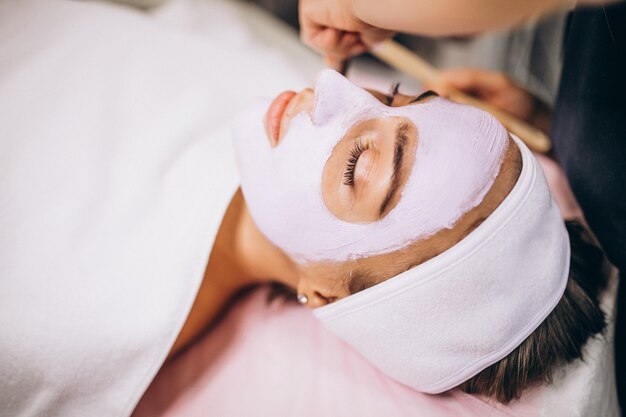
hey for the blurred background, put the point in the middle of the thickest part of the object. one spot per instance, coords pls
(530, 54)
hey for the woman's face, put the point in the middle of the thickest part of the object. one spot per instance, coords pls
(368, 167)
(362, 180)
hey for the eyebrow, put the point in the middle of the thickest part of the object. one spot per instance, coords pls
(398, 152)
(424, 96)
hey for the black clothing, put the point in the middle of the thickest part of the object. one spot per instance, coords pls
(589, 136)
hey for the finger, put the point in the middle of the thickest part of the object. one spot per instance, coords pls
(357, 49)
(308, 30)
(351, 46)
(347, 40)
(326, 41)
(334, 62)
(321, 38)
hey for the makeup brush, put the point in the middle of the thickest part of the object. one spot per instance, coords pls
(407, 61)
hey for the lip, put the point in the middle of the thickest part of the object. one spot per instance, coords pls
(275, 113)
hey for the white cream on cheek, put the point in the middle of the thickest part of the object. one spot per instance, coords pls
(458, 156)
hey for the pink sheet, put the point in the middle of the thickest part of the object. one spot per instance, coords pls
(276, 360)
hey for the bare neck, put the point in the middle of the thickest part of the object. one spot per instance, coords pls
(246, 252)
(241, 257)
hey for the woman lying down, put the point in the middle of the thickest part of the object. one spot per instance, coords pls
(419, 232)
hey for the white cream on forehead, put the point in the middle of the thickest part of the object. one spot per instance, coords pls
(458, 156)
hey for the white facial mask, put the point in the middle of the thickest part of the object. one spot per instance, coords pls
(459, 151)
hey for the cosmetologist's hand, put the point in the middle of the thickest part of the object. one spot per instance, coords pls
(331, 28)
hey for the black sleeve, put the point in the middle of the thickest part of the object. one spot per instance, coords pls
(589, 125)
(589, 135)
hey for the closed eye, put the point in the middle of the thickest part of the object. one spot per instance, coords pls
(353, 158)
(393, 92)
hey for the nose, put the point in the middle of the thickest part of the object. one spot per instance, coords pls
(301, 102)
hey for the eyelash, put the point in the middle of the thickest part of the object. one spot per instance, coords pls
(355, 153)
(393, 92)
(359, 147)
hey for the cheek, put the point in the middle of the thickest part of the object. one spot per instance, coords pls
(336, 197)
(365, 166)
(327, 279)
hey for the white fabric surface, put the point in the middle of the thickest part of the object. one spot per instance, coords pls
(442, 322)
(116, 168)
(587, 388)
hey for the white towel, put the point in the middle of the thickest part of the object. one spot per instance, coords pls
(116, 168)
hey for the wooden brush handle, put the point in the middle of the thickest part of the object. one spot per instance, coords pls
(405, 60)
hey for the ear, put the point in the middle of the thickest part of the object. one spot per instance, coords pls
(317, 297)
(321, 286)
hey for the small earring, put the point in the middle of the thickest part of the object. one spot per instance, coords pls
(303, 299)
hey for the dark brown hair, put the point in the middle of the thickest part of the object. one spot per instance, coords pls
(560, 339)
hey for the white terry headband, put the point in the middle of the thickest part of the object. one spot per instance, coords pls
(442, 322)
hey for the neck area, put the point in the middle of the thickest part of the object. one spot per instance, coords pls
(246, 253)
(241, 257)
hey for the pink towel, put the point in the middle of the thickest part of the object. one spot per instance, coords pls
(276, 360)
